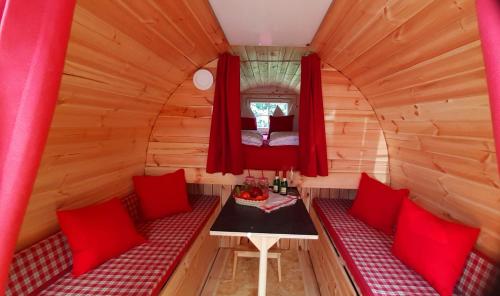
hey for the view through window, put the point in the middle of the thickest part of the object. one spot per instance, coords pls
(263, 110)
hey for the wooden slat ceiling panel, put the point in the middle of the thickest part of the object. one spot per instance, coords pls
(270, 66)
(419, 63)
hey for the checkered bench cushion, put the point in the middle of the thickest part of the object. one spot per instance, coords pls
(44, 268)
(376, 271)
(39, 265)
(131, 204)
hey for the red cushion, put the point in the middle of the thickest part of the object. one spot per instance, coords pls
(377, 204)
(161, 196)
(280, 123)
(98, 233)
(433, 247)
(248, 123)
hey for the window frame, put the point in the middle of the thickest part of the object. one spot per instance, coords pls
(268, 100)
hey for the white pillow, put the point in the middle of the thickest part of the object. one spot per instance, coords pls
(252, 138)
(284, 138)
(278, 112)
(247, 112)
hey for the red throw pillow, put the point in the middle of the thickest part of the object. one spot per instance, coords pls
(98, 233)
(280, 123)
(248, 123)
(433, 247)
(161, 196)
(377, 204)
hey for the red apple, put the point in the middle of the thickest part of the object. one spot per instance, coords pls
(255, 191)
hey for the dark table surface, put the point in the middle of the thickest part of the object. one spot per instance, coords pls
(290, 221)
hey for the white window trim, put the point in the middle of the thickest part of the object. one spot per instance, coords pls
(269, 100)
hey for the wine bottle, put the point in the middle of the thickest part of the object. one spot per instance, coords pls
(276, 184)
(284, 187)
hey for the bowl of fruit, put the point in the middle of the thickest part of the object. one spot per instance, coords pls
(251, 195)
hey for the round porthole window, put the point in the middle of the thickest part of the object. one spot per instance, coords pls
(203, 79)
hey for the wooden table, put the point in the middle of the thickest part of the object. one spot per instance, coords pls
(263, 229)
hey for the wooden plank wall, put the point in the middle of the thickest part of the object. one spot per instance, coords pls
(124, 59)
(270, 92)
(270, 65)
(354, 138)
(419, 63)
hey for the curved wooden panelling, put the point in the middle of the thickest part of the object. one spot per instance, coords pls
(124, 59)
(419, 63)
(354, 137)
(270, 65)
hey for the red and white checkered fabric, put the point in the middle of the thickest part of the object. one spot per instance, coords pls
(34, 267)
(140, 271)
(131, 204)
(479, 276)
(42, 263)
(367, 253)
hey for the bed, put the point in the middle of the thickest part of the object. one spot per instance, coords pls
(279, 152)
(273, 158)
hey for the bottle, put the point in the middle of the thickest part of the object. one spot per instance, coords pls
(276, 184)
(284, 187)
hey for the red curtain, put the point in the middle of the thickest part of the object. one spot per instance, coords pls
(33, 41)
(2, 5)
(225, 149)
(312, 139)
(488, 12)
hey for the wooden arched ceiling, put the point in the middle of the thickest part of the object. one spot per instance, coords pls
(354, 138)
(185, 34)
(419, 63)
(124, 60)
(270, 66)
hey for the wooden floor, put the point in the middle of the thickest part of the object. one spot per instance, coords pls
(298, 275)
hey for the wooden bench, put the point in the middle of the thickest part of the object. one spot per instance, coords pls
(175, 260)
(345, 242)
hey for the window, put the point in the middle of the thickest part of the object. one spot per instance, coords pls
(263, 110)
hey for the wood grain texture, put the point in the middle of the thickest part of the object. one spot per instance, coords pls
(419, 64)
(354, 138)
(192, 271)
(124, 60)
(298, 276)
(329, 267)
(270, 66)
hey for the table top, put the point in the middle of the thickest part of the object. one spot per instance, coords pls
(287, 222)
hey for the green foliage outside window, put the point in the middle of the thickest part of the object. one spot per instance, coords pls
(263, 110)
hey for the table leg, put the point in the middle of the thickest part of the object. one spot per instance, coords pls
(262, 272)
(263, 244)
